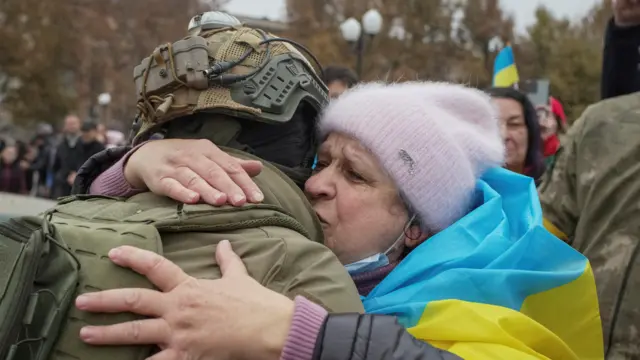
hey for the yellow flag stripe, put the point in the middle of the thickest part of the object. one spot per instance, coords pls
(574, 315)
(506, 77)
(561, 323)
(554, 230)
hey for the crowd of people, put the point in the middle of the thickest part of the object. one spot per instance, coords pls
(272, 217)
(46, 166)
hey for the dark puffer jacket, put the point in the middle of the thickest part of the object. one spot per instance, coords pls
(371, 337)
(621, 60)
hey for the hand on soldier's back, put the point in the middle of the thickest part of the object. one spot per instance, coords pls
(191, 171)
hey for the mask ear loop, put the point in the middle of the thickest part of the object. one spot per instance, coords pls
(400, 239)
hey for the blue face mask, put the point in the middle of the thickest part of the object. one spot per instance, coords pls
(378, 260)
(371, 263)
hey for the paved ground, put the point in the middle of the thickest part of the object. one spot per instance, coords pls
(18, 205)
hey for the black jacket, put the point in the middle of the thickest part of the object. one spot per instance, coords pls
(371, 337)
(42, 163)
(621, 62)
(70, 158)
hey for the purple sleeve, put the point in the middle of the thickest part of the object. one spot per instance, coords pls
(307, 322)
(112, 182)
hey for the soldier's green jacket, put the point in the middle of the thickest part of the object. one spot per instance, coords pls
(279, 241)
(592, 196)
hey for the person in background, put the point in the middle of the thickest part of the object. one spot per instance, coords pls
(5, 136)
(553, 124)
(26, 164)
(66, 157)
(114, 139)
(101, 133)
(621, 65)
(89, 145)
(12, 177)
(44, 144)
(339, 79)
(590, 199)
(22, 149)
(520, 131)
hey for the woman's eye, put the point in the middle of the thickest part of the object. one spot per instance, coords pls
(355, 176)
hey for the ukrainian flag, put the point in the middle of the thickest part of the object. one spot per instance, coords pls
(496, 284)
(505, 73)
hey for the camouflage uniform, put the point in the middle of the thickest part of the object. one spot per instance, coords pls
(593, 196)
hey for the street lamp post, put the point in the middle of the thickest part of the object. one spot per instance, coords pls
(356, 33)
(104, 100)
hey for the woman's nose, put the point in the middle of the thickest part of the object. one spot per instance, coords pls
(321, 185)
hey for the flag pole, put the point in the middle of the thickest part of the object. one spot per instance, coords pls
(508, 44)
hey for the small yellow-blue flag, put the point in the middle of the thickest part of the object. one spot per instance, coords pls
(505, 73)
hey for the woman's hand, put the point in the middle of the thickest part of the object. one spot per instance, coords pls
(192, 170)
(230, 318)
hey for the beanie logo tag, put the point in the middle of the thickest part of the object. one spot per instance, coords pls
(408, 161)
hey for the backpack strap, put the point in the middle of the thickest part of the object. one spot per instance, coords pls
(39, 288)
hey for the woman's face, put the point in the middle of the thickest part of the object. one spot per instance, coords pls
(548, 122)
(514, 133)
(9, 154)
(357, 202)
(336, 88)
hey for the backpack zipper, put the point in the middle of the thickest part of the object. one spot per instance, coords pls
(7, 345)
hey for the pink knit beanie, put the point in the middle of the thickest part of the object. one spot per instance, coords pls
(434, 139)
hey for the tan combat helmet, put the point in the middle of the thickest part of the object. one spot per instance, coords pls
(227, 68)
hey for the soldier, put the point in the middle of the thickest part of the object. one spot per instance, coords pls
(591, 196)
(592, 200)
(256, 97)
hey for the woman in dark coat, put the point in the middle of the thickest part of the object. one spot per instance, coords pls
(12, 176)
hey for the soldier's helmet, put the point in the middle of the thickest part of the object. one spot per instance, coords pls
(227, 68)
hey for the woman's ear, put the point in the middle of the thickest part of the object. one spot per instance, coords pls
(415, 236)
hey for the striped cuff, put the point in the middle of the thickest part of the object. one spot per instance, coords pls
(307, 322)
